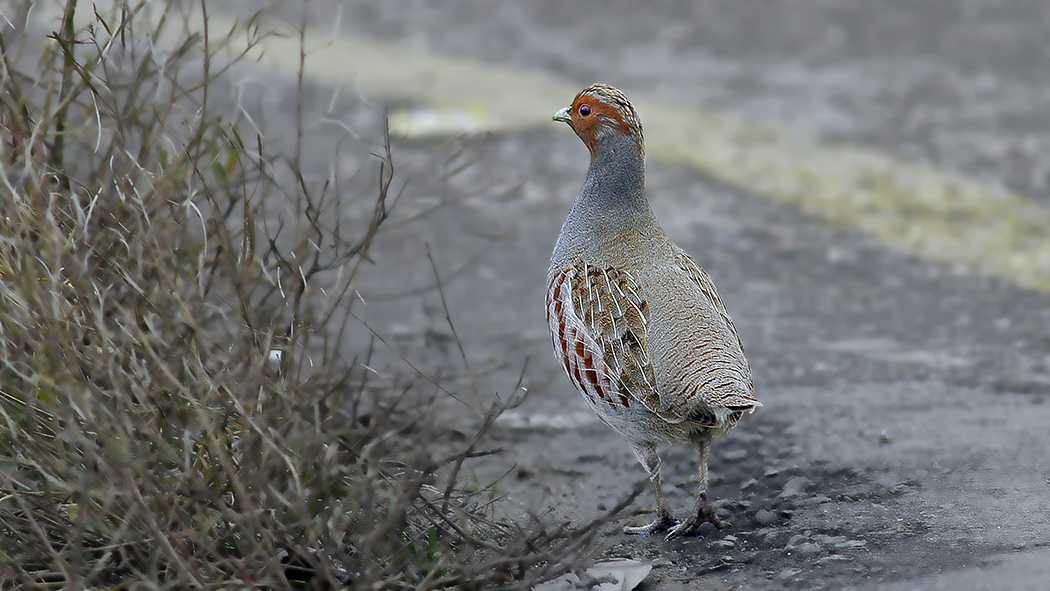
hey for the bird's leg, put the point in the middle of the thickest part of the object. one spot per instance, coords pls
(664, 520)
(702, 512)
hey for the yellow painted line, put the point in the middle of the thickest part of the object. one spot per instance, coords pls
(928, 211)
(919, 208)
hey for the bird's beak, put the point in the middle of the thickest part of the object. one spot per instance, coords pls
(563, 115)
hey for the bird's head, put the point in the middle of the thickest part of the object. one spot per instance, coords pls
(600, 111)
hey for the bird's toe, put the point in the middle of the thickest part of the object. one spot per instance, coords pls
(663, 522)
(690, 526)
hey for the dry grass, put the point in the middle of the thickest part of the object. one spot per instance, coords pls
(145, 439)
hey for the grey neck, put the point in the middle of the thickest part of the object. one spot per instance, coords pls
(617, 174)
(612, 198)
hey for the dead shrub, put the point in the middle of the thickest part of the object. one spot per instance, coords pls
(149, 436)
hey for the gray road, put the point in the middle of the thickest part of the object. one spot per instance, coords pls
(903, 442)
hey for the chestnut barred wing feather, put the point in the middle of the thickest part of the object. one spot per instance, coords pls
(603, 308)
(577, 351)
(616, 314)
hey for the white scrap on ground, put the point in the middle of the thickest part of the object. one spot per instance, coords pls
(620, 574)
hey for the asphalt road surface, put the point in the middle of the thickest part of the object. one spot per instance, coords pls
(904, 369)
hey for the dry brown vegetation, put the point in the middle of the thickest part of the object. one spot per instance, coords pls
(147, 440)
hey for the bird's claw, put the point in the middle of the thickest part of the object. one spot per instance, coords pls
(663, 522)
(690, 526)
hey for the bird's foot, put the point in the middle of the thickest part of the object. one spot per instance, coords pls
(664, 521)
(702, 515)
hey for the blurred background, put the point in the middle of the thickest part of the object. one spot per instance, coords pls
(911, 131)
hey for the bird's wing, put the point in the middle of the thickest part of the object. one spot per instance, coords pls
(599, 321)
(708, 291)
(723, 378)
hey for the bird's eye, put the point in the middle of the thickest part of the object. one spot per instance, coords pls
(584, 110)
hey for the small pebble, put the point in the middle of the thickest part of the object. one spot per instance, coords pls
(753, 482)
(817, 500)
(735, 455)
(764, 517)
(809, 548)
(722, 504)
(722, 544)
(770, 535)
(885, 438)
(795, 486)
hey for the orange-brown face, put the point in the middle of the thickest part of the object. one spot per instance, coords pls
(589, 113)
(600, 108)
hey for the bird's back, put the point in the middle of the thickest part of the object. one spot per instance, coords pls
(702, 374)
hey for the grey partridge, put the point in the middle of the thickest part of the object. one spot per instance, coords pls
(636, 322)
